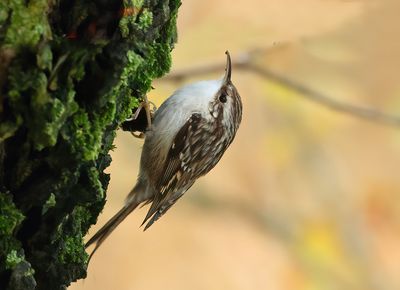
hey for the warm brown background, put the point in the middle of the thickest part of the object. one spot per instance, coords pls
(305, 198)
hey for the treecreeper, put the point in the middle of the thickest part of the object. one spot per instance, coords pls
(187, 137)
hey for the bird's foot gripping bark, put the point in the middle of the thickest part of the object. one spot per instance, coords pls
(141, 119)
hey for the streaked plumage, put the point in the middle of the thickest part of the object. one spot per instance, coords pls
(189, 134)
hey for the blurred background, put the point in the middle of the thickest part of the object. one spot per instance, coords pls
(306, 197)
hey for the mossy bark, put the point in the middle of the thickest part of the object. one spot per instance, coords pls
(71, 71)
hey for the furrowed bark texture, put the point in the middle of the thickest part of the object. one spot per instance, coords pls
(71, 71)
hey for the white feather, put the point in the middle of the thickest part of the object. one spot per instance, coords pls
(193, 98)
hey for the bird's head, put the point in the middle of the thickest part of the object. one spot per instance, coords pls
(226, 103)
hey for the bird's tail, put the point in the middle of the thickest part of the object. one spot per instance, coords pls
(110, 226)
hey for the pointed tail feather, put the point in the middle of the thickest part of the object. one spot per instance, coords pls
(109, 227)
(159, 211)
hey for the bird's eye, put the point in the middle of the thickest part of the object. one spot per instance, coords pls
(222, 98)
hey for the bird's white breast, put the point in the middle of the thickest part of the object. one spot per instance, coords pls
(178, 108)
(174, 113)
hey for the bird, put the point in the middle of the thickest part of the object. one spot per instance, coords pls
(187, 137)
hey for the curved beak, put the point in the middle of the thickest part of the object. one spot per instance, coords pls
(228, 68)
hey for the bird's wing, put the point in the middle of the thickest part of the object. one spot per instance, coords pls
(178, 175)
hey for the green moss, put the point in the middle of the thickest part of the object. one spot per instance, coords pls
(86, 131)
(94, 181)
(131, 10)
(46, 114)
(124, 24)
(44, 57)
(13, 259)
(137, 3)
(122, 90)
(8, 128)
(84, 138)
(131, 66)
(73, 250)
(10, 219)
(29, 272)
(50, 202)
(28, 23)
(4, 10)
(145, 19)
(50, 118)
(10, 215)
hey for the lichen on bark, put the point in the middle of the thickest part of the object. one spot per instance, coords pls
(70, 73)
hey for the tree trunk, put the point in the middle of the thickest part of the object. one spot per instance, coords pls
(71, 71)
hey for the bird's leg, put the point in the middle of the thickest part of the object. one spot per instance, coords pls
(148, 112)
(145, 104)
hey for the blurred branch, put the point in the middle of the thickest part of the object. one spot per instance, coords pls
(271, 221)
(247, 61)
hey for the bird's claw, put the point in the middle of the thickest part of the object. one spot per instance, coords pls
(150, 109)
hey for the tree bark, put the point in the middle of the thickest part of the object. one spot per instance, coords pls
(71, 71)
